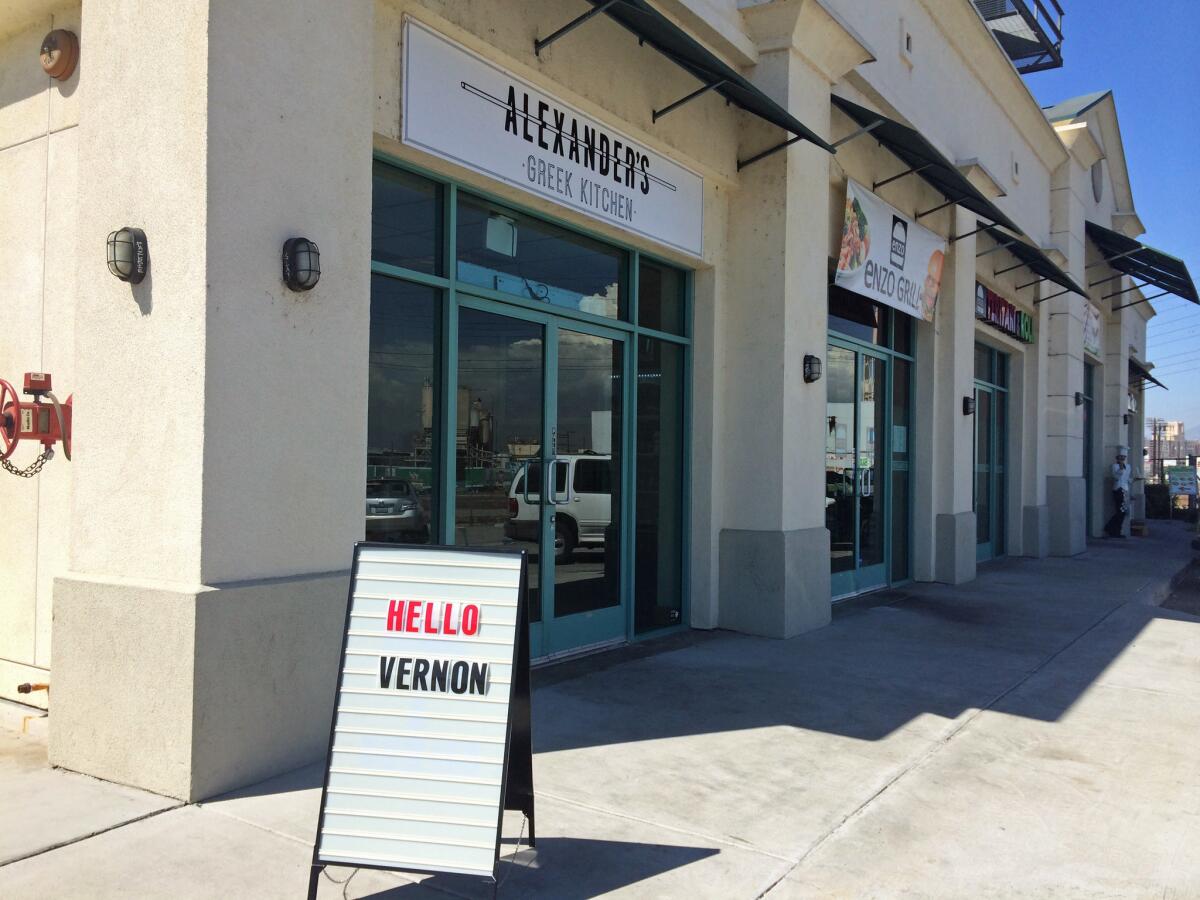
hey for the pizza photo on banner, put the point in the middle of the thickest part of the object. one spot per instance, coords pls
(888, 257)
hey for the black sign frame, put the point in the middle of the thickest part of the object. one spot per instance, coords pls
(516, 780)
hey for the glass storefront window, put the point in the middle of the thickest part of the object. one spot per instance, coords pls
(983, 363)
(855, 316)
(499, 459)
(659, 527)
(840, 457)
(401, 489)
(506, 251)
(661, 294)
(406, 221)
(901, 448)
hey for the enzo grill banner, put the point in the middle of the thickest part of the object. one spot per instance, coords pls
(465, 109)
(888, 257)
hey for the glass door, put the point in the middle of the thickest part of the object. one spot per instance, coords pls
(855, 469)
(539, 465)
(991, 436)
(584, 515)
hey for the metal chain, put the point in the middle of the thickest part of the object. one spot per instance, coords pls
(33, 468)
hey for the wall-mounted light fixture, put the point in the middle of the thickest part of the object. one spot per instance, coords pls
(968, 406)
(59, 54)
(1079, 398)
(128, 255)
(1125, 419)
(812, 368)
(301, 264)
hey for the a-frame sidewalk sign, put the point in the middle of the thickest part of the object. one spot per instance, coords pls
(430, 737)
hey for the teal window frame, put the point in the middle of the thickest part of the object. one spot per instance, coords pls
(859, 346)
(452, 289)
(998, 506)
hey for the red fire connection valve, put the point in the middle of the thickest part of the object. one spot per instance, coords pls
(47, 424)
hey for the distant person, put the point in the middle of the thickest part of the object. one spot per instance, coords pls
(1121, 474)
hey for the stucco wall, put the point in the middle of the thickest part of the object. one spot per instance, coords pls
(38, 157)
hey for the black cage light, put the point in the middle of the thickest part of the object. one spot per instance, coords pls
(968, 406)
(301, 264)
(812, 368)
(128, 256)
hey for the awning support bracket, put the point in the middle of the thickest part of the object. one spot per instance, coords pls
(742, 163)
(1107, 280)
(1135, 287)
(1111, 259)
(539, 46)
(866, 129)
(1143, 300)
(941, 206)
(1019, 265)
(1021, 287)
(657, 114)
(913, 171)
(995, 249)
(959, 237)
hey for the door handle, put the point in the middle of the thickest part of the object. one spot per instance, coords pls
(525, 480)
(552, 482)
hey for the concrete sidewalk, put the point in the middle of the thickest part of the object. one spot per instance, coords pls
(1033, 733)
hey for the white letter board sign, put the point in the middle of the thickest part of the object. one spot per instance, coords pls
(467, 110)
(430, 739)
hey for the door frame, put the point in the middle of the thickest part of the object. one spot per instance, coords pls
(455, 292)
(997, 505)
(878, 575)
(551, 636)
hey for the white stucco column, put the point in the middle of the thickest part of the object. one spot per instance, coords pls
(1066, 491)
(1116, 433)
(945, 361)
(1031, 435)
(773, 544)
(774, 547)
(220, 418)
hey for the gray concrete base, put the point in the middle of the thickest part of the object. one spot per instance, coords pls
(1066, 496)
(954, 547)
(193, 694)
(775, 583)
(1035, 531)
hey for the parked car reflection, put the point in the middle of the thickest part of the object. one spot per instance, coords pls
(395, 513)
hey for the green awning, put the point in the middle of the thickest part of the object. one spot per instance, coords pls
(1034, 259)
(651, 27)
(924, 159)
(1137, 370)
(1161, 270)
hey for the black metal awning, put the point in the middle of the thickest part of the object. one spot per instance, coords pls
(924, 159)
(1033, 259)
(651, 27)
(1137, 370)
(1129, 257)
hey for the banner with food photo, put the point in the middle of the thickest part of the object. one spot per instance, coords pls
(888, 257)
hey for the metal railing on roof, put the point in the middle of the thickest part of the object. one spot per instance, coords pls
(1030, 31)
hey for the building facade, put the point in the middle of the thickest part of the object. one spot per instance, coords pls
(606, 294)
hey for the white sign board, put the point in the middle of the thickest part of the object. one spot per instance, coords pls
(417, 759)
(1181, 481)
(467, 110)
(888, 257)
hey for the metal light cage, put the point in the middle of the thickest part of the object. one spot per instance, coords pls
(128, 256)
(301, 264)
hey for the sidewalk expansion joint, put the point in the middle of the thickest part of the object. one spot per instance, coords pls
(729, 842)
(931, 751)
(87, 837)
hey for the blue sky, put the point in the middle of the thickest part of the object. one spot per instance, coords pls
(1146, 53)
